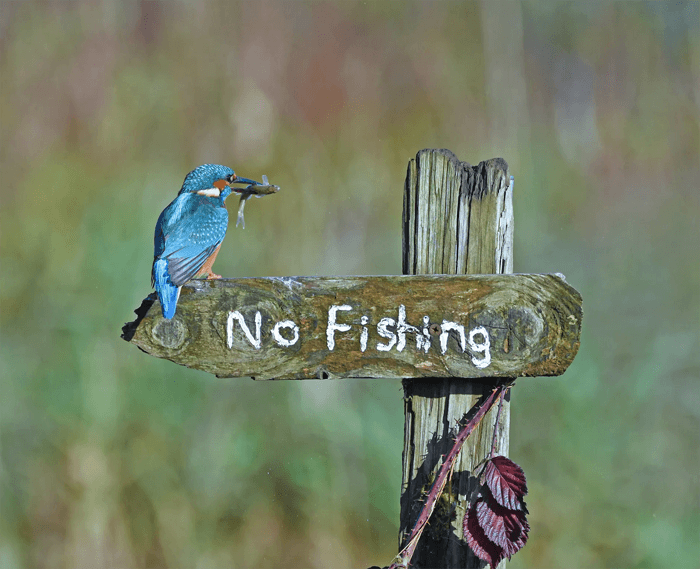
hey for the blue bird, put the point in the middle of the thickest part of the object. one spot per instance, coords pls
(190, 230)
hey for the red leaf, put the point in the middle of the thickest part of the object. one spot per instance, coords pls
(506, 528)
(506, 480)
(482, 546)
(496, 526)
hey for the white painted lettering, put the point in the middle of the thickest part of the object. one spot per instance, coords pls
(402, 328)
(384, 332)
(286, 334)
(333, 326)
(445, 334)
(484, 346)
(281, 340)
(423, 337)
(254, 340)
(364, 334)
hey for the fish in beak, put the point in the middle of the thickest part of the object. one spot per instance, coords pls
(254, 188)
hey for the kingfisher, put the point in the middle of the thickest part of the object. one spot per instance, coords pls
(190, 230)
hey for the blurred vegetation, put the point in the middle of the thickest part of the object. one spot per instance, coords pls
(110, 458)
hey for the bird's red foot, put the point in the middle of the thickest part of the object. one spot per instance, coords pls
(211, 276)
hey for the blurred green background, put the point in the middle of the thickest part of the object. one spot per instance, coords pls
(110, 458)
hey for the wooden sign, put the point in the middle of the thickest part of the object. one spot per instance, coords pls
(444, 334)
(380, 327)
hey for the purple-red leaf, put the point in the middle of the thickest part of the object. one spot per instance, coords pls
(495, 525)
(481, 545)
(506, 528)
(506, 480)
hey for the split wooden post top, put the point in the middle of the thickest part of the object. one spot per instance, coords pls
(454, 314)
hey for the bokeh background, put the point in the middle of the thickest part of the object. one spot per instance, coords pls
(111, 458)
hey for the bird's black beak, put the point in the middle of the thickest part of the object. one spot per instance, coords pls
(239, 180)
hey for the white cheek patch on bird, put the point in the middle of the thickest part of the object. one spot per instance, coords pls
(257, 190)
(210, 192)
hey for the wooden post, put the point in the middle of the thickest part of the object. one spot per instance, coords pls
(457, 219)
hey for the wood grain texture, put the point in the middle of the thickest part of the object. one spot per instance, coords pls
(532, 321)
(457, 219)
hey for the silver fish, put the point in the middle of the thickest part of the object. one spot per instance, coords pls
(257, 190)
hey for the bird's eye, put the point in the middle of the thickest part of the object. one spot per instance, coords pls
(231, 178)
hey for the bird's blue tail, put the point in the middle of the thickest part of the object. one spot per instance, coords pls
(168, 293)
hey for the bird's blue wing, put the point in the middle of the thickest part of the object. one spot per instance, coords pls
(182, 269)
(188, 231)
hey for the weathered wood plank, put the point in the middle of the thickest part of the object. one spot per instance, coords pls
(449, 326)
